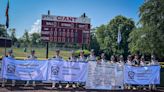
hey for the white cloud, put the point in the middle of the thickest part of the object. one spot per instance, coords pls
(36, 27)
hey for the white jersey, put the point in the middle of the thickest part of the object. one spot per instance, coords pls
(72, 59)
(129, 62)
(154, 62)
(31, 57)
(121, 62)
(91, 58)
(103, 61)
(82, 59)
(142, 63)
(112, 62)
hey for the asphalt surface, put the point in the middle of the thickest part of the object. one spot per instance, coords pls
(47, 88)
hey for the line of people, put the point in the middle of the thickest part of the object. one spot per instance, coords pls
(136, 61)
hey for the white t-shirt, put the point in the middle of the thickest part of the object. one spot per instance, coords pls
(31, 57)
(82, 58)
(91, 58)
(142, 63)
(154, 62)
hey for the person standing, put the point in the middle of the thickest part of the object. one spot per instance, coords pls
(31, 57)
(142, 61)
(112, 59)
(129, 62)
(57, 57)
(121, 60)
(103, 58)
(136, 60)
(92, 56)
(153, 62)
(120, 67)
(72, 58)
(82, 58)
(11, 56)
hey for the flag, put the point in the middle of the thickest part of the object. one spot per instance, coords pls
(7, 14)
(119, 38)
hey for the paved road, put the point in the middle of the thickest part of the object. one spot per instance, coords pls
(47, 88)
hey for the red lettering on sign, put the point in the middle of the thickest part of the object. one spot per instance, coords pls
(72, 19)
(59, 18)
(65, 18)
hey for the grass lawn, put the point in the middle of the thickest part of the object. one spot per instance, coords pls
(40, 53)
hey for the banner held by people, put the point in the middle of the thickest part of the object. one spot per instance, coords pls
(67, 71)
(142, 75)
(24, 69)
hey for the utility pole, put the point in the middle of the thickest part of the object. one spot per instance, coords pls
(47, 41)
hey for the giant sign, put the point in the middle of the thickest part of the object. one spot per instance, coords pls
(63, 29)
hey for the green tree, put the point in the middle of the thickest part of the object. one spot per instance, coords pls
(149, 37)
(26, 38)
(2, 30)
(100, 35)
(94, 43)
(35, 39)
(13, 36)
(107, 35)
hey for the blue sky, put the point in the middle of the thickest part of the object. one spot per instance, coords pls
(26, 14)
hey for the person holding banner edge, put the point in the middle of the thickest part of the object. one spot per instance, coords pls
(72, 58)
(136, 62)
(92, 56)
(81, 58)
(31, 57)
(57, 57)
(153, 62)
(103, 58)
(112, 59)
(129, 62)
(121, 60)
(11, 56)
(142, 63)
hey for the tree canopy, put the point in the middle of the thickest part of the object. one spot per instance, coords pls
(107, 35)
(148, 39)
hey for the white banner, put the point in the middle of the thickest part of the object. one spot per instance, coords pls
(96, 75)
(67, 71)
(142, 75)
(24, 69)
(104, 76)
